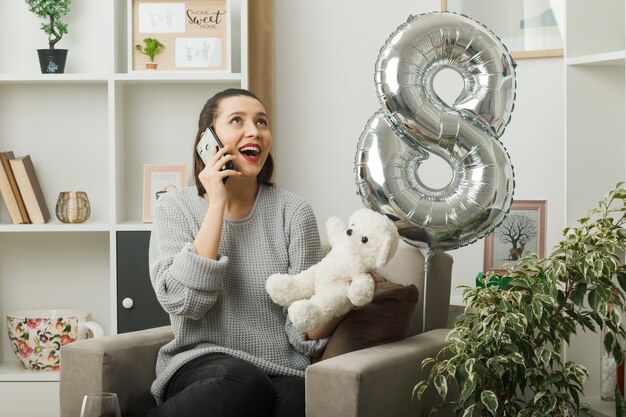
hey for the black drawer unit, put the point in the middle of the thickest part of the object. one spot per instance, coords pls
(137, 305)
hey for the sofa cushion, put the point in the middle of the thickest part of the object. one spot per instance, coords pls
(384, 320)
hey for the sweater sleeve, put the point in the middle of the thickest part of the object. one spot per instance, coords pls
(305, 250)
(185, 283)
(298, 339)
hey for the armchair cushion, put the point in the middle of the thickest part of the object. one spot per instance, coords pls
(384, 320)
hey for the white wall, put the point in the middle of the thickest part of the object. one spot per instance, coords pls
(325, 54)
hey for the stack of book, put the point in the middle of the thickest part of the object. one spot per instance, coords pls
(21, 191)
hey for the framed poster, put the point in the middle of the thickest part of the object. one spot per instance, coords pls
(528, 28)
(159, 179)
(195, 34)
(522, 231)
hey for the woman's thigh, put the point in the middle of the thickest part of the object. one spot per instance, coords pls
(217, 385)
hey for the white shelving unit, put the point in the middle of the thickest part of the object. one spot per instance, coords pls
(595, 56)
(90, 129)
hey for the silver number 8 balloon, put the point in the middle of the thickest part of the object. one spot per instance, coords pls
(414, 123)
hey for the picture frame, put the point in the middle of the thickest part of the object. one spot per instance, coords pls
(528, 28)
(522, 231)
(159, 179)
(195, 33)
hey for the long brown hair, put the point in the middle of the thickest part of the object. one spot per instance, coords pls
(207, 118)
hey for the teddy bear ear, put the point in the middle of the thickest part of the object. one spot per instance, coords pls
(334, 228)
(387, 249)
(384, 252)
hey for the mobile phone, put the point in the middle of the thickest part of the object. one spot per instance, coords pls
(210, 140)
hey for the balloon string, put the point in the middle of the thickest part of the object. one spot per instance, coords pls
(427, 253)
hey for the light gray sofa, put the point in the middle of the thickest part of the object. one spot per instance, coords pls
(372, 382)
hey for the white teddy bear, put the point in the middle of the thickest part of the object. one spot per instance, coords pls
(341, 280)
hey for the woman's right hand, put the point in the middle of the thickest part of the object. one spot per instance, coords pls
(213, 178)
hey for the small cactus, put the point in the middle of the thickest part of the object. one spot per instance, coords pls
(153, 47)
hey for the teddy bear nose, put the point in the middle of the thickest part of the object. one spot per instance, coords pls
(349, 232)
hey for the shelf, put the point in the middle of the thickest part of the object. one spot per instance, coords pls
(56, 226)
(134, 77)
(178, 76)
(52, 78)
(133, 226)
(15, 372)
(92, 129)
(615, 58)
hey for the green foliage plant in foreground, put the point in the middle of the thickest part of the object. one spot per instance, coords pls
(504, 353)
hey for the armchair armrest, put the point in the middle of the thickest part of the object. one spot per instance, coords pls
(123, 363)
(376, 381)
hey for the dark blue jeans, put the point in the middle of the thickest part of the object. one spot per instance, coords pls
(218, 385)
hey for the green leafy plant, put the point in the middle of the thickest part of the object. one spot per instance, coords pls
(152, 47)
(504, 353)
(52, 11)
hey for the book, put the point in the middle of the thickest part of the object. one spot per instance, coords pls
(9, 193)
(4, 162)
(30, 189)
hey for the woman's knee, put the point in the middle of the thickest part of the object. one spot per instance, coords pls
(246, 388)
(247, 377)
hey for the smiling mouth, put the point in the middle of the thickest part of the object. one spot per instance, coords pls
(250, 152)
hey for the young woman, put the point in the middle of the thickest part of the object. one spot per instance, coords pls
(213, 245)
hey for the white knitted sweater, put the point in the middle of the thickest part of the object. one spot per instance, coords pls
(221, 305)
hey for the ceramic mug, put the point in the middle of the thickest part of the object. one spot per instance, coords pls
(36, 336)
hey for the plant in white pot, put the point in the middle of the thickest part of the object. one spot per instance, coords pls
(51, 60)
(152, 47)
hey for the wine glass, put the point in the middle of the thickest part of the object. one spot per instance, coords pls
(102, 404)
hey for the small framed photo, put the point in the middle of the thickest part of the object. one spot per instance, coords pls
(159, 179)
(523, 231)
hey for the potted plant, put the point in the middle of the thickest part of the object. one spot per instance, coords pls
(152, 47)
(51, 60)
(505, 352)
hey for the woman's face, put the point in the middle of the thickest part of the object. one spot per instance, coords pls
(241, 122)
